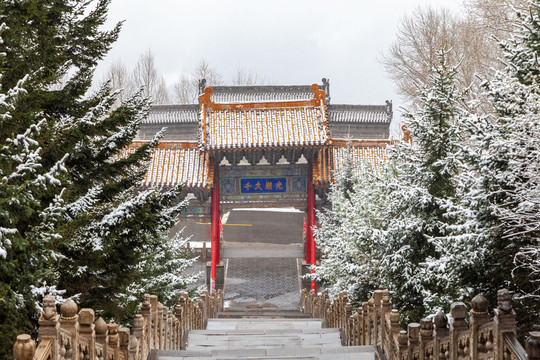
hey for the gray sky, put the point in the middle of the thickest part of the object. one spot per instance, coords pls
(287, 42)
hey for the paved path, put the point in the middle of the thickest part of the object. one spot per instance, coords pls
(263, 273)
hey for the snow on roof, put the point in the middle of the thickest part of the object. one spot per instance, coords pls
(225, 94)
(269, 124)
(332, 158)
(176, 163)
(359, 113)
(265, 128)
(167, 114)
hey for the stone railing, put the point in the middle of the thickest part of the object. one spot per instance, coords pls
(76, 336)
(434, 338)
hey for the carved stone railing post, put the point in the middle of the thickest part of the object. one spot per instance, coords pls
(146, 313)
(386, 307)
(426, 335)
(346, 319)
(114, 341)
(124, 337)
(458, 311)
(403, 348)
(504, 321)
(134, 348)
(159, 325)
(365, 323)
(343, 310)
(178, 312)
(171, 337)
(393, 349)
(377, 317)
(303, 300)
(24, 347)
(87, 336)
(100, 328)
(440, 349)
(413, 334)
(353, 329)
(139, 333)
(532, 345)
(478, 316)
(48, 323)
(69, 330)
(154, 331)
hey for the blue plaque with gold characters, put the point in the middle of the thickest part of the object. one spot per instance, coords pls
(263, 185)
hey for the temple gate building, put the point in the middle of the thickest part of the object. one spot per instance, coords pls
(260, 146)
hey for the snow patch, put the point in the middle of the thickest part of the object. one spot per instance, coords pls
(284, 209)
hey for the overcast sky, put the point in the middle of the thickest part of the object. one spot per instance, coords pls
(285, 41)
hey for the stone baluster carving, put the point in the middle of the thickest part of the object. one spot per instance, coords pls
(403, 348)
(347, 313)
(49, 323)
(24, 348)
(159, 324)
(146, 313)
(459, 346)
(365, 323)
(504, 322)
(394, 331)
(134, 348)
(154, 331)
(377, 300)
(124, 338)
(532, 345)
(139, 333)
(87, 336)
(440, 343)
(386, 307)
(100, 327)
(426, 336)
(478, 316)
(113, 350)
(69, 330)
(178, 312)
(413, 334)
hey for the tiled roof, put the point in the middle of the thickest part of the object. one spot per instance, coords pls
(171, 114)
(265, 128)
(359, 113)
(225, 94)
(332, 158)
(373, 156)
(175, 164)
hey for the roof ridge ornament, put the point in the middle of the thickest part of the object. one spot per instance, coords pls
(205, 98)
(407, 137)
(318, 95)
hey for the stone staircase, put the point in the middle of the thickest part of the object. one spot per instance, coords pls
(270, 335)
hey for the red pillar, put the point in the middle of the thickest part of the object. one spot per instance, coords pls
(215, 230)
(310, 239)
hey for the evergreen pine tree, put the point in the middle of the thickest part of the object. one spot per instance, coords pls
(508, 163)
(72, 216)
(351, 231)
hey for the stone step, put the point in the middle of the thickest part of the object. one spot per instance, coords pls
(265, 331)
(261, 341)
(263, 324)
(262, 312)
(322, 353)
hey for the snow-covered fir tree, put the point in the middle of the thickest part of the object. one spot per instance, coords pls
(351, 231)
(384, 231)
(425, 171)
(508, 166)
(72, 215)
